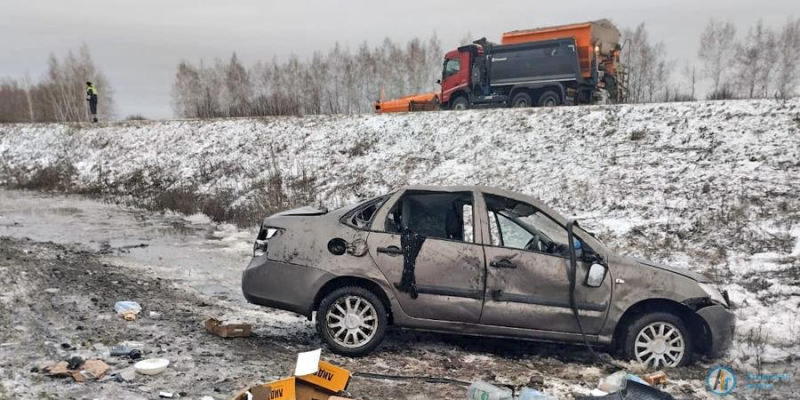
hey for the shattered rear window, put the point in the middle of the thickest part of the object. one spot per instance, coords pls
(361, 216)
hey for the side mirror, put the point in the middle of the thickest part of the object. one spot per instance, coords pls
(596, 275)
(438, 81)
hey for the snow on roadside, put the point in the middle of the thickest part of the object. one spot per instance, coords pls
(709, 186)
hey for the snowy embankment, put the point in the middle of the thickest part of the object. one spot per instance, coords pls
(711, 186)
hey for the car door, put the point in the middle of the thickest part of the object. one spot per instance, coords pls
(527, 285)
(449, 267)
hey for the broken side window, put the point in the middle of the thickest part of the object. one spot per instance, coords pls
(442, 215)
(361, 216)
(518, 225)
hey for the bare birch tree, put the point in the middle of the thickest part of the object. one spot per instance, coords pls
(717, 49)
(648, 68)
(788, 49)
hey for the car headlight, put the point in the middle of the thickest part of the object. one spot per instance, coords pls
(713, 294)
(264, 235)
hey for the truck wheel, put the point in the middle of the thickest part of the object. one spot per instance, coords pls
(658, 340)
(521, 99)
(549, 99)
(352, 321)
(459, 104)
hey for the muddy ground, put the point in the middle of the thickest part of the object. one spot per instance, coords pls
(56, 294)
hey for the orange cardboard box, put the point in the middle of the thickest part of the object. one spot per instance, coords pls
(322, 385)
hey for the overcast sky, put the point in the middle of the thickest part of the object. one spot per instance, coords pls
(138, 43)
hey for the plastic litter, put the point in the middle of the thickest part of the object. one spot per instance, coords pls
(128, 309)
(617, 381)
(532, 394)
(481, 390)
(151, 366)
(633, 391)
(613, 382)
(120, 350)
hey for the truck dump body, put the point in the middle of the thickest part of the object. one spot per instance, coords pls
(587, 35)
(548, 61)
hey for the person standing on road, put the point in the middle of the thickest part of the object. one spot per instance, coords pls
(91, 97)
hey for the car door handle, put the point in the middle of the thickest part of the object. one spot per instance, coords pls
(393, 251)
(503, 264)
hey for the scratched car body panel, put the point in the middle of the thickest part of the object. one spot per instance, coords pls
(481, 261)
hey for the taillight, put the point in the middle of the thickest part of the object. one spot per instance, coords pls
(264, 235)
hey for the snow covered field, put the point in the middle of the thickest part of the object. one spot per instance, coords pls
(710, 186)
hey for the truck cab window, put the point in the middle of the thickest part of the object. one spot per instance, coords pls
(451, 67)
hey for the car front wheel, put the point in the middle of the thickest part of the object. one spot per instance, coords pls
(352, 321)
(658, 340)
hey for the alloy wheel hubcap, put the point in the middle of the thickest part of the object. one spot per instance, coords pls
(660, 344)
(352, 321)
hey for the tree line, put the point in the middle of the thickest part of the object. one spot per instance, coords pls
(60, 95)
(337, 82)
(758, 64)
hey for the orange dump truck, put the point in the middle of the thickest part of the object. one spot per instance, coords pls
(551, 66)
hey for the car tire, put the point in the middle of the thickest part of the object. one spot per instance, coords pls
(352, 321)
(658, 337)
(549, 99)
(460, 103)
(521, 100)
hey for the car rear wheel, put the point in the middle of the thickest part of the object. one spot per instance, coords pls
(352, 321)
(658, 340)
(549, 99)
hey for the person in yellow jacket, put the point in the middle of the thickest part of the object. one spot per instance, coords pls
(91, 97)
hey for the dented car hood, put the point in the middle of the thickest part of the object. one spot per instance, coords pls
(680, 271)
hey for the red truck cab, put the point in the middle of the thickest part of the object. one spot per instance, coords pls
(456, 75)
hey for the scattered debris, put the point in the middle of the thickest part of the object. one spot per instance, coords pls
(128, 309)
(633, 391)
(151, 366)
(57, 370)
(324, 384)
(95, 369)
(75, 362)
(165, 395)
(135, 354)
(656, 378)
(51, 290)
(216, 327)
(481, 390)
(532, 394)
(76, 368)
(126, 375)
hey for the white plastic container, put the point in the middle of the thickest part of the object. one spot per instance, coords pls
(481, 390)
(151, 366)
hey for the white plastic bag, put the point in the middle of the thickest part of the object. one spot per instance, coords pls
(127, 306)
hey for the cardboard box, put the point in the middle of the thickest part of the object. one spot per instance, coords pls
(216, 327)
(328, 381)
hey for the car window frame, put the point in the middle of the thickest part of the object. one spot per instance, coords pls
(489, 243)
(387, 207)
(345, 219)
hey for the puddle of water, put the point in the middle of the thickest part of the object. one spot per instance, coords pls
(209, 256)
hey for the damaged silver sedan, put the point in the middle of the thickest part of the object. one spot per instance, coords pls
(478, 261)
